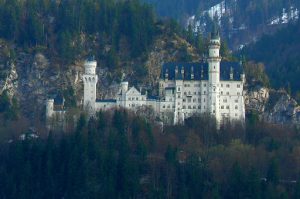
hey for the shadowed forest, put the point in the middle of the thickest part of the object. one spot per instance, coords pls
(123, 155)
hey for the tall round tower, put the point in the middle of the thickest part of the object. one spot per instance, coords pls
(214, 61)
(49, 108)
(90, 79)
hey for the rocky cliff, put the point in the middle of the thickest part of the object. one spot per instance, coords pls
(272, 105)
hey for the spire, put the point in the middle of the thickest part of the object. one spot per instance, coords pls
(215, 34)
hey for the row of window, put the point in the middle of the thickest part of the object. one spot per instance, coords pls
(135, 98)
(227, 107)
(192, 107)
(194, 100)
(199, 93)
(198, 85)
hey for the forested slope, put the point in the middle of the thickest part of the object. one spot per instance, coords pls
(122, 155)
(280, 53)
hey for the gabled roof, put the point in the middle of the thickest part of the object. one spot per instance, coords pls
(133, 90)
(200, 70)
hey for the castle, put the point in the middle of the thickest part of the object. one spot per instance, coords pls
(212, 86)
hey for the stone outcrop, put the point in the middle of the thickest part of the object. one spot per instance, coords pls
(273, 106)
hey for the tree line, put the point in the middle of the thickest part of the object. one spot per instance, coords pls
(61, 25)
(122, 155)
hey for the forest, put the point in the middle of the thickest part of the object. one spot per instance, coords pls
(120, 154)
(252, 13)
(280, 54)
(60, 27)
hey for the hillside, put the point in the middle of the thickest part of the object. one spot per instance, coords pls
(44, 56)
(280, 53)
(242, 21)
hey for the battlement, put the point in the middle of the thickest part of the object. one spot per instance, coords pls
(90, 67)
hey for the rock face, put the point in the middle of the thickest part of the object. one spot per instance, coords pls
(256, 99)
(285, 110)
(273, 106)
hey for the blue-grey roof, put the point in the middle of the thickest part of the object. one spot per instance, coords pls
(152, 98)
(200, 70)
(107, 100)
(59, 99)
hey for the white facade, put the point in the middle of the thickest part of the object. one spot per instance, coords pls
(185, 89)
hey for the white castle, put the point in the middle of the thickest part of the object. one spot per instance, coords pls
(213, 86)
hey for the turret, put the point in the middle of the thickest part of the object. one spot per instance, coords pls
(90, 80)
(49, 108)
(124, 87)
(90, 66)
(215, 43)
(214, 61)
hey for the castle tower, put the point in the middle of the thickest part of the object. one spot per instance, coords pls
(214, 60)
(90, 79)
(124, 89)
(49, 108)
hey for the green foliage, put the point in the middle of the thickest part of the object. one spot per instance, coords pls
(61, 25)
(256, 75)
(8, 107)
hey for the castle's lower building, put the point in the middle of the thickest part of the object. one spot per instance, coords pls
(213, 86)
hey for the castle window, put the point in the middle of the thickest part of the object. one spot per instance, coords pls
(204, 107)
(164, 106)
(178, 88)
(227, 93)
(204, 100)
(194, 100)
(236, 107)
(227, 107)
(222, 107)
(204, 92)
(185, 93)
(184, 100)
(199, 107)
(236, 101)
(168, 106)
(195, 93)
(228, 86)
(183, 107)
(221, 92)
(238, 93)
(194, 107)
(239, 86)
(199, 93)
(189, 99)
(204, 85)
(225, 100)
(190, 107)
(222, 85)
